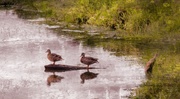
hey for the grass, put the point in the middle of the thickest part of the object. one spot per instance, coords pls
(133, 19)
(164, 83)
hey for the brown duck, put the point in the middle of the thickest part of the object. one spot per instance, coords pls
(53, 57)
(150, 64)
(88, 60)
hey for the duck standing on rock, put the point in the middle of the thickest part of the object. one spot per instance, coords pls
(53, 57)
(88, 60)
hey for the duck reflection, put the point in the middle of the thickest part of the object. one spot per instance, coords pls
(53, 79)
(87, 76)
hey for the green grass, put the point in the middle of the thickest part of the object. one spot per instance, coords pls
(132, 18)
(164, 83)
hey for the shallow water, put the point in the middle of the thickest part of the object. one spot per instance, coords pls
(23, 44)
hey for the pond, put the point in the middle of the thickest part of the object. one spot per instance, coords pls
(23, 45)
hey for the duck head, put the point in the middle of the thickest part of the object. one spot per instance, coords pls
(48, 51)
(83, 55)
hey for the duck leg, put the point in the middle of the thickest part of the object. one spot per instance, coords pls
(88, 67)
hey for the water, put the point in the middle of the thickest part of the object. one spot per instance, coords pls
(23, 44)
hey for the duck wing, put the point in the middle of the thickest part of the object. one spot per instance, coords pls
(89, 60)
(92, 59)
(56, 57)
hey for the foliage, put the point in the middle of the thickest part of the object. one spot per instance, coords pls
(164, 83)
(154, 18)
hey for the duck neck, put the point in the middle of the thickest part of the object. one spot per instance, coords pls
(83, 56)
(49, 53)
(155, 56)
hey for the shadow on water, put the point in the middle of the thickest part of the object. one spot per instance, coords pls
(54, 79)
(84, 76)
(28, 14)
(66, 68)
(88, 76)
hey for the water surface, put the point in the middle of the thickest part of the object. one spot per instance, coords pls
(23, 44)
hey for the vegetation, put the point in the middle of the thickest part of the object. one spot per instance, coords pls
(164, 81)
(154, 18)
(137, 27)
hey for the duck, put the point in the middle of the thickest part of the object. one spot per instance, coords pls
(150, 64)
(88, 60)
(53, 57)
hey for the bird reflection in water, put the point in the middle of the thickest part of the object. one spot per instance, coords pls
(87, 76)
(53, 79)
